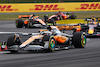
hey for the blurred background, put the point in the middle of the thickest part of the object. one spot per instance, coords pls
(79, 14)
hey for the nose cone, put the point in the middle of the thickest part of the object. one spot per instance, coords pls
(90, 32)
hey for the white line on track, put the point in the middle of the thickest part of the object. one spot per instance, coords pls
(2, 52)
(19, 33)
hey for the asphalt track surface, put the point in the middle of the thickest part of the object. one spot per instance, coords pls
(84, 57)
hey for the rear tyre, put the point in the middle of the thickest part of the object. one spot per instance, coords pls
(19, 23)
(79, 40)
(72, 16)
(12, 41)
(52, 43)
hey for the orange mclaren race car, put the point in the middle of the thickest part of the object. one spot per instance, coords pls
(75, 28)
(92, 28)
(48, 40)
(32, 21)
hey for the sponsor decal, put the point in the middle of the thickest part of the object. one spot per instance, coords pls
(7, 8)
(50, 7)
(46, 7)
(89, 6)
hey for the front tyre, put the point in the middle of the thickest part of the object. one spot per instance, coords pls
(12, 41)
(51, 43)
(72, 16)
(79, 40)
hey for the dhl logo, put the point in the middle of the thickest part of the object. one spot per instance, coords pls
(7, 8)
(89, 6)
(47, 7)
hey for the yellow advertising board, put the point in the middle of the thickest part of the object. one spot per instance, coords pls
(50, 7)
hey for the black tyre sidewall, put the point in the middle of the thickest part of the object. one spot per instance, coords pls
(10, 41)
(19, 23)
(77, 40)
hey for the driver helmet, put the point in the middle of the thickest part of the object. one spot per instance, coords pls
(32, 15)
(46, 16)
(93, 18)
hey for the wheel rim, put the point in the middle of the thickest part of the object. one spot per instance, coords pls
(28, 23)
(16, 23)
(52, 44)
(83, 40)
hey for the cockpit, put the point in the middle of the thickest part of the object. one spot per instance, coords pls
(91, 23)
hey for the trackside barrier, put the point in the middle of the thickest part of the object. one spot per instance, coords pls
(50, 7)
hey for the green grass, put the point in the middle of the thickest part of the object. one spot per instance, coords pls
(87, 15)
(79, 15)
(15, 16)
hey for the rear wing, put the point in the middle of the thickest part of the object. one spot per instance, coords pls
(89, 19)
(24, 16)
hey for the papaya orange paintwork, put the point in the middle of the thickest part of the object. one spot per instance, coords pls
(77, 27)
(43, 30)
(26, 22)
(24, 16)
(30, 39)
(60, 39)
(40, 21)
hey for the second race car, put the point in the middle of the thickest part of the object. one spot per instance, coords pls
(32, 21)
